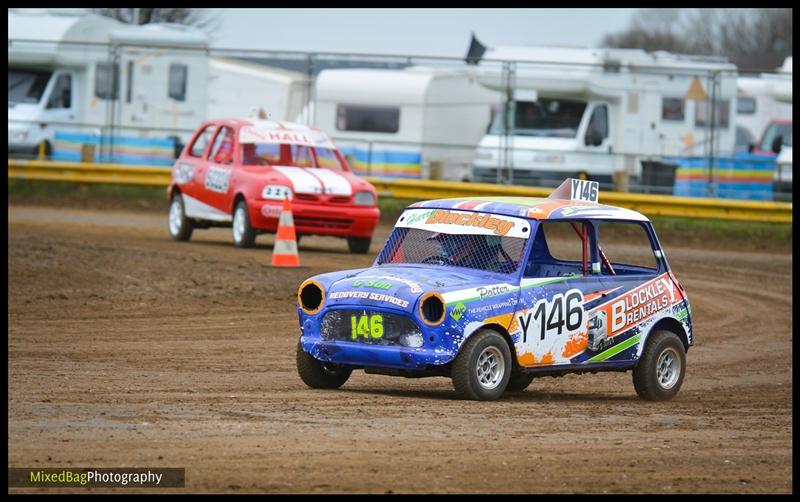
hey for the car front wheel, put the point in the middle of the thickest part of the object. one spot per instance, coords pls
(482, 368)
(319, 375)
(244, 235)
(180, 227)
(660, 372)
(359, 245)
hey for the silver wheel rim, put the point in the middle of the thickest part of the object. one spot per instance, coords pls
(238, 224)
(668, 368)
(175, 216)
(491, 368)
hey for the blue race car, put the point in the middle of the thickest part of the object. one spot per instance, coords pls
(493, 292)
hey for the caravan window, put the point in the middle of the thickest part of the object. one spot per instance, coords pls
(702, 113)
(367, 118)
(26, 86)
(555, 118)
(177, 81)
(106, 80)
(61, 96)
(672, 109)
(746, 106)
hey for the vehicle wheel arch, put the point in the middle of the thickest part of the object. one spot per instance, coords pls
(236, 198)
(500, 330)
(669, 324)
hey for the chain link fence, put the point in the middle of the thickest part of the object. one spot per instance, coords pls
(665, 127)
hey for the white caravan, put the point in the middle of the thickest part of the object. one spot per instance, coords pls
(417, 122)
(579, 112)
(236, 87)
(762, 99)
(65, 84)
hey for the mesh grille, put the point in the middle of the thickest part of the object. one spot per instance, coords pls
(395, 329)
(332, 223)
(482, 252)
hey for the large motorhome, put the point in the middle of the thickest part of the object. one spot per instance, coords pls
(763, 98)
(578, 112)
(77, 79)
(417, 122)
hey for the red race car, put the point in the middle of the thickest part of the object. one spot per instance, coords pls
(238, 172)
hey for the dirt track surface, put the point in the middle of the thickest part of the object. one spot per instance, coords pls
(129, 349)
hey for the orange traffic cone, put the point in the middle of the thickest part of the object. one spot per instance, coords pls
(285, 252)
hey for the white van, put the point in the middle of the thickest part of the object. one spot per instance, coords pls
(64, 88)
(592, 112)
(417, 122)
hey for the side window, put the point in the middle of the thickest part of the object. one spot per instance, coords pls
(61, 97)
(199, 145)
(367, 118)
(672, 109)
(129, 87)
(746, 106)
(558, 249)
(222, 150)
(627, 247)
(702, 114)
(106, 80)
(177, 81)
(597, 130)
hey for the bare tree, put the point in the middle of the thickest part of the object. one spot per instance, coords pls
(753, 39)
(199, 18)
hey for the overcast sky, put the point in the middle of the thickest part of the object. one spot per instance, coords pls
(427, 32)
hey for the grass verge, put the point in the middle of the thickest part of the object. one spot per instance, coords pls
(722, 234)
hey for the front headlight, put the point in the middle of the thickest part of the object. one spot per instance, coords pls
(276, 192)
(364, 199)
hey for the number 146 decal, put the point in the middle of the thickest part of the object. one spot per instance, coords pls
(563, 314)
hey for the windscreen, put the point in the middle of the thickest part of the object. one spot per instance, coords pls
(275, 154)
(554, 118)
(26, 86)
(490, 253)
(775, 130)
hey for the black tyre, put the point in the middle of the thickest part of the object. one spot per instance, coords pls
(359, 245)
(519, 382)
(482, 369)
(180, 227)
(319, 375)
(659, 374)
(244, 235)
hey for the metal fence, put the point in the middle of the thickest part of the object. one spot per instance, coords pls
(141, 103)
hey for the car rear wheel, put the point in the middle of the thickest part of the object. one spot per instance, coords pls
(482, 368)
(359, 245)
(180, 227)
(660, 372)
(519, 382)
(244, 235)
(319, 375)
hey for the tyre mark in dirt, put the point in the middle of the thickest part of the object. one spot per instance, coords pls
(192, 364)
